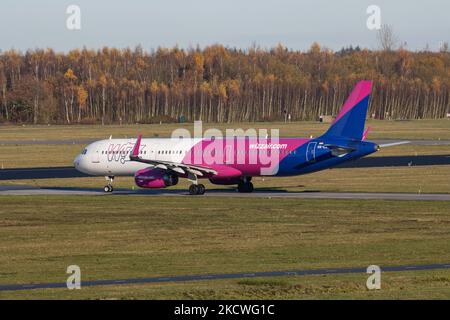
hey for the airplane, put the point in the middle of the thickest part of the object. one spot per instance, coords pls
(159, 163)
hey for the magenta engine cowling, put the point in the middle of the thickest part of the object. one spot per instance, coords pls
(154, 178)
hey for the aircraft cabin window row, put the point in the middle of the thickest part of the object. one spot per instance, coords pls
(251, 151)
(198, 152)
(122, 152)
(169, 152)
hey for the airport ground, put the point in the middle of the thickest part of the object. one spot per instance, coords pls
(381, 129)
(117, 237)
(122, 237)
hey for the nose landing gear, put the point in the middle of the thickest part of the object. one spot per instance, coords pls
(109, 186)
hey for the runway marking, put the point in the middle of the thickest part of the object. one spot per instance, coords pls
(186, 278)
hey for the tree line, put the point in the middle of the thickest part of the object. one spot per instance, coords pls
(217, 84)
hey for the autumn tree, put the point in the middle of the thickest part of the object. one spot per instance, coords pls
(82, 96)
(219, 84)
(69, 89)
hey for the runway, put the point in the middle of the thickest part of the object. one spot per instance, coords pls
(18, 190)
(222, 276)
(369, 162)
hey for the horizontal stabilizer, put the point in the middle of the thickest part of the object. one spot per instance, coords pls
(393, 144)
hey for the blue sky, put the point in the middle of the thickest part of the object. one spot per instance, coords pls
(28, 24)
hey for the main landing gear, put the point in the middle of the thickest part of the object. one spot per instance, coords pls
(197, 189)
(245, 186)
(109, 187)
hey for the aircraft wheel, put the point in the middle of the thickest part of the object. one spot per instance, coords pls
(197, 189)
(245, 187)
(108, 189)
(193, 189)
(201, 189)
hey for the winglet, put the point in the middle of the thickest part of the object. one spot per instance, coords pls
(136, 147)
(366, 133)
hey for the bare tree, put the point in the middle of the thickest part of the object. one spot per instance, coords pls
(386, 38)
(218, 84)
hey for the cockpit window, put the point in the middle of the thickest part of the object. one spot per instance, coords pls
(84, 151)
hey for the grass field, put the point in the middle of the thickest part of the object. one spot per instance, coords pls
(415, 129)
(109, 239)
(113, 237)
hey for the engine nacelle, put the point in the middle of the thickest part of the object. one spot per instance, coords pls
(154, 178)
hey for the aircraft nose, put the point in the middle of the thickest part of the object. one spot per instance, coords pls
(76, 161)
(80, 163)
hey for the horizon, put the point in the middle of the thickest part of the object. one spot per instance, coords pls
(202, 48)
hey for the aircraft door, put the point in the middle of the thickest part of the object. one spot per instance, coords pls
(96, 157)
(228, 155)
(311, 152)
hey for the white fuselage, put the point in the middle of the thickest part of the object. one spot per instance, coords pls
(111, 157)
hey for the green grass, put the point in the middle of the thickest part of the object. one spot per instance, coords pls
(32, 155)
(112, 237)
(434, 284)
(415, 129)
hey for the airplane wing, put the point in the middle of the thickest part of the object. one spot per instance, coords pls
(168, 165)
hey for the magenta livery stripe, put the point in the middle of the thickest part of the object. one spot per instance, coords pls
(241, 153)
(361, 91)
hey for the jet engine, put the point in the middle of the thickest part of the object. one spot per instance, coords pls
(155, 178)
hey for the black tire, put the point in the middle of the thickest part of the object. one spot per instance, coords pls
(111, 189)
(106, 189)
(201, 189)
(245, 187)
(193, 189)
